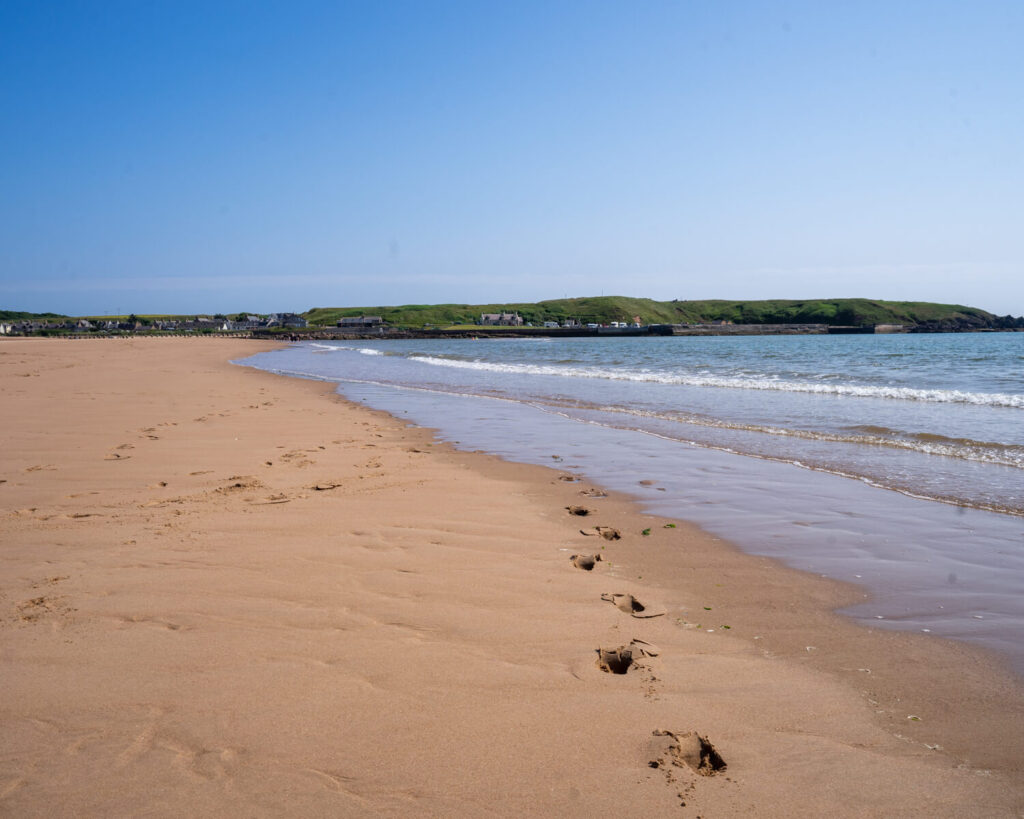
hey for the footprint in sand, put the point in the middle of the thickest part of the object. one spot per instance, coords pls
(641, 648)
(271, 500)
(619, 660)
(128, 620)
(585, 562)
(36, 609)
(297, 458)
(580, 511)
(615, 660)
(116, 456)
(607, 532)
(689, 750)
(240, 482)
(31, 610)
(630, 605)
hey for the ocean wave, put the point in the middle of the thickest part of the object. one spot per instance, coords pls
(362, 350)
(764, 382)
(907, 484)
(910, 491)
(924, 443)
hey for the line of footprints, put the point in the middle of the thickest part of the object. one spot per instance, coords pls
(688, 750)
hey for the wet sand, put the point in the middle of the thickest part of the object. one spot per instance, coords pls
(225, 592)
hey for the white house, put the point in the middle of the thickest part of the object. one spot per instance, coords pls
(501, 319)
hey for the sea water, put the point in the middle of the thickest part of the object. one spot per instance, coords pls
(891, 461)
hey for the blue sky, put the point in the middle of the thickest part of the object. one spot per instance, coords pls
(222, 156)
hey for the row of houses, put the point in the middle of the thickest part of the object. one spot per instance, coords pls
(27, 327)
(360, 322)
(501, 320)
(291, 321)
(515, 320)
(134, 325)
(9, 328)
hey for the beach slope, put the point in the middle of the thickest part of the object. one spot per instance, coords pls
(224, 592)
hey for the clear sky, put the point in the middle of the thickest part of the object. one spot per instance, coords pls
(212, 156)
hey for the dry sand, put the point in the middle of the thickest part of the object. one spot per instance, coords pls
(228, 593)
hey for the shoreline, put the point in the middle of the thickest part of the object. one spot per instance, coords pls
(481, 635)
(935, 568)
(829, 595)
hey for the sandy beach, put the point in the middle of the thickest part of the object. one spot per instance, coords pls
(229, 593)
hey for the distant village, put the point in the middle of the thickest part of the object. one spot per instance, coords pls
(243, 323)
(515, 320)
(293, 326)
(133, 324)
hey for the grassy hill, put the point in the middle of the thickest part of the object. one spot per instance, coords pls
(604, 309)
(597, 309)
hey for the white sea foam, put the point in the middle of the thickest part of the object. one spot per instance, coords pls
(363, 350)
(981, 451)
(1012, 400)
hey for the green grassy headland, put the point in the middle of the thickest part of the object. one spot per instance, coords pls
(605, 309)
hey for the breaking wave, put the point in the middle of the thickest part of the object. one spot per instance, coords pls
(926, 443)
(1011, 400)
(363, 350)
